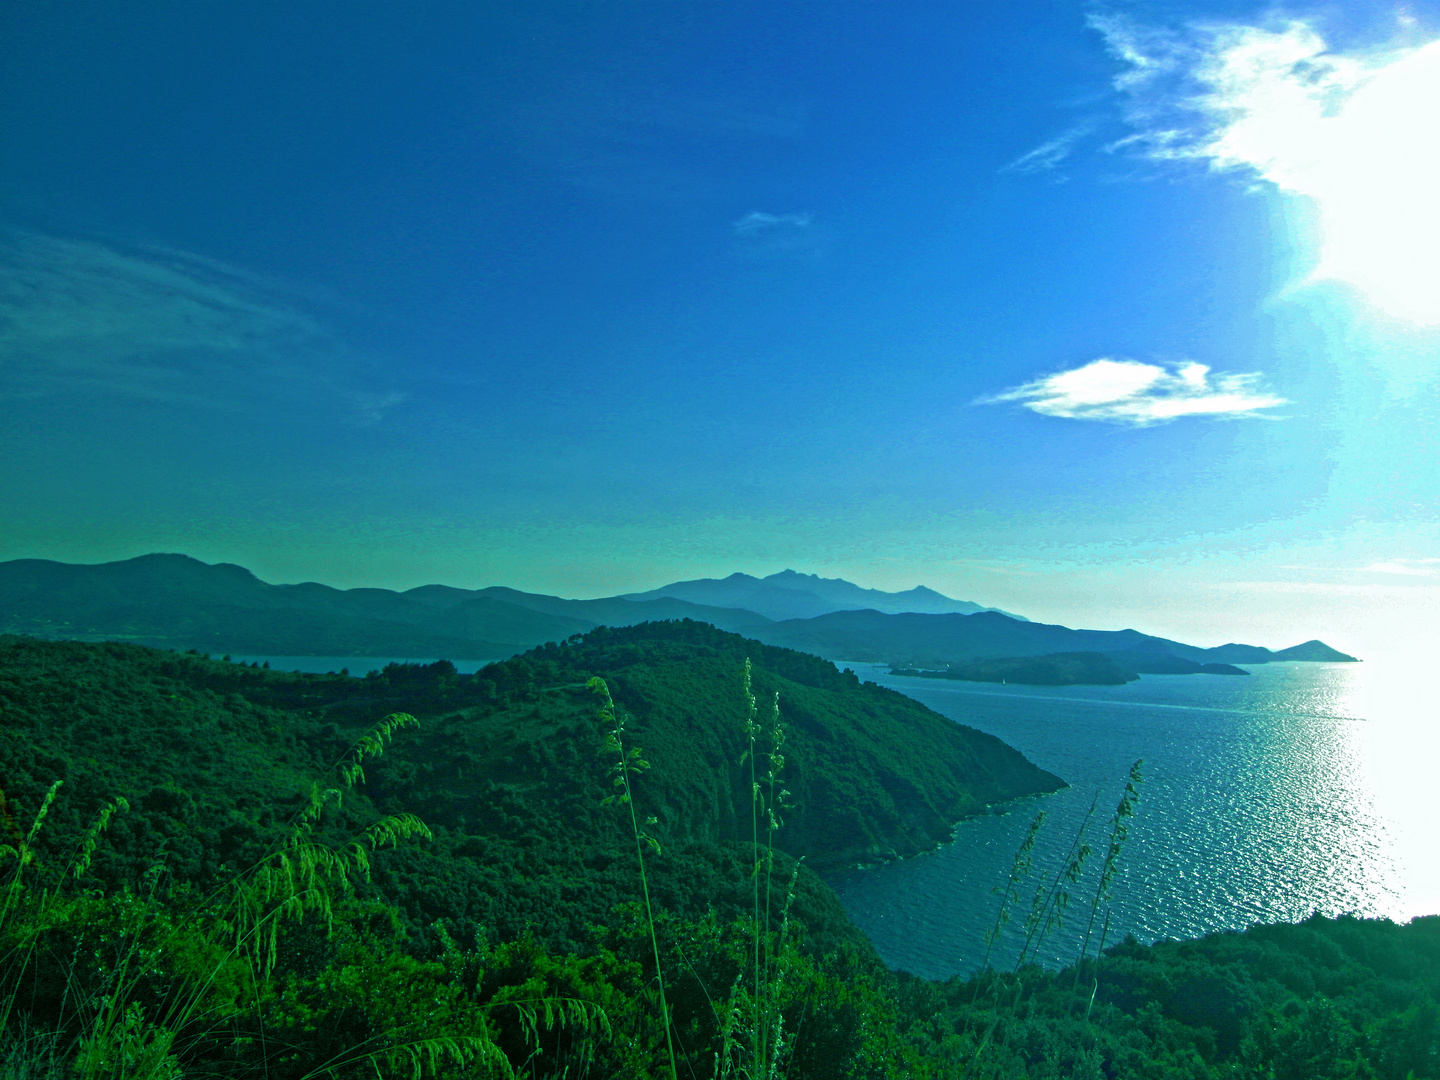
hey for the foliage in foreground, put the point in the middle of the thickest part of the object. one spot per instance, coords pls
(1322, 999)
(125, 949)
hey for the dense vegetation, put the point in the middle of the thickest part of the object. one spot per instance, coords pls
(1322, 1000)
(219, 920)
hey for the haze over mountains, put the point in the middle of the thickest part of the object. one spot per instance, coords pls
(790, 595)
(173, 601)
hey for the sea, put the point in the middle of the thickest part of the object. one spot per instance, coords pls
(1297, 789)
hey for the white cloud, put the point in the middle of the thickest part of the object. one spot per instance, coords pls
(1357, 133)
(1137, 394)
(161, 325)
(756, 222)
(1406, 567)
(371, 408)
(1049, 154)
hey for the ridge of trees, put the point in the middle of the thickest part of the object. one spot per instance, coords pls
(526, 891)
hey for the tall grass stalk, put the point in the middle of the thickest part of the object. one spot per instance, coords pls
(769, 1019)
(626, 762)
(1047, 910)
(751, 1018)
(1105, 887)
(752, 729)
(765, 804)
(767, 1022)
(22, 852)
(298, 876)
(1010, 892)
(774, 800)
(776, 1045)
(115, 1031)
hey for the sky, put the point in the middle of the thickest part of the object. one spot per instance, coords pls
(1110, 314)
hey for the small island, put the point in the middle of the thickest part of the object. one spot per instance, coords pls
(1069, 668)
(1052, 669)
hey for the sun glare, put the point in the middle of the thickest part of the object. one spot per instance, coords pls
(1360, 137)
(1380, 201)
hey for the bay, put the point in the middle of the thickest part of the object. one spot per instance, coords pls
(1301, 788)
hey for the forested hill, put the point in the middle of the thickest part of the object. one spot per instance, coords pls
(507, 765)
(524, 894)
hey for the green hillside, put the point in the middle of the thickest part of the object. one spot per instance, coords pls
(188, 938)
(505, 757)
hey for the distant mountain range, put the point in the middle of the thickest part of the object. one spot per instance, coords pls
(934, 640)
(789, 595)
(174, 601)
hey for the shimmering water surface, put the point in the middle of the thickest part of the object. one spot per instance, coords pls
(1302, 788)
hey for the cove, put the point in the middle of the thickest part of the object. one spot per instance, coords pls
(1303, 788)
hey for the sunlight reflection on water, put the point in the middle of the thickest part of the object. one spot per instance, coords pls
(1303, 788)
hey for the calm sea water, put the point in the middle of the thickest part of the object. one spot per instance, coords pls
(1302, 788)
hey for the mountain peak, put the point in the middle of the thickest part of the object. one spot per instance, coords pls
(794, 579)
(1315, 650)
(790, 594)
(169, 564)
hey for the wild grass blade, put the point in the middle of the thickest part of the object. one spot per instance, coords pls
(1105, 887)
(1020, 868)
(626, 762)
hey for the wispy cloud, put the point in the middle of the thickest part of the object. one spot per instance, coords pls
(759, 235)
(633, 142)
(1049, 154)
(371, 407)
(756, 222)
(1406, 567)
(1136, 394)
(1197, 92)
(1357, 132)
(161, 325)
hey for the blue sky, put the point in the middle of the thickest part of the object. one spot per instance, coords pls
(1114, 315)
